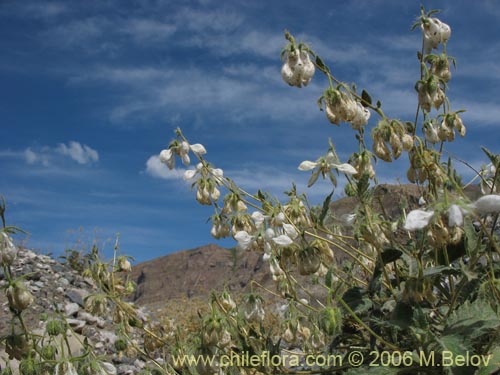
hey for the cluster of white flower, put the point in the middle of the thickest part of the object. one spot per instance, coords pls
(435, 32)
(253, 309)
(298, 68)
(181, 149)
(394, 134)
(489, 180)
(324, 166)
(435, 131)
(419, 219)
(207, 181)
(430, 93)
(341, 107)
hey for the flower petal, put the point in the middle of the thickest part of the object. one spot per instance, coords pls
(487, 204)
(307, 165)
(290, 231)
(346, 168)
(189, 174)
(165, 156)
(418, 219)
(244, 239)
(455, 216)
(258, 218)
(283, 240)
(198, 149)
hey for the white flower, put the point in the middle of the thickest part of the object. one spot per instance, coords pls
(430, 133)
(422, 201)
(279, 219)
(244, 239)
(189, 174)
(435, 32)
(307, 165)
(455, 216)
(283, 240)
(297, 69)
(345, 168)
(487, 204)
(198, 149)
(258, 218)
(167, 157)
(290, 231)
(361, 117)
(418, 219)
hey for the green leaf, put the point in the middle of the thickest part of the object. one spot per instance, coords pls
(493, 363)
(471, 237)
(493, 158)
(321, 64)
(326, 208)
(358, 300)
(440, 270)
(313, 179)
(391, 255)
(472, 322)
(402, 316)
(379, 104)
(367, 99)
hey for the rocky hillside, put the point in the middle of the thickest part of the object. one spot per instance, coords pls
(60, 291)
(193, 273)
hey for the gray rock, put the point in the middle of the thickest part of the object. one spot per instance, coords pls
(77, 325)
(71, 309)
(77, 295)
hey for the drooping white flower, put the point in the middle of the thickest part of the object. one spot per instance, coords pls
(167, 157)
(244, 239)
(434, 31)
(455, 216)
(290, 231)
(487, 204)
(189, 174)
(198, 149)
(418, 219)
(430, 133)
(283, 240)
(258, 218)
(298, 69)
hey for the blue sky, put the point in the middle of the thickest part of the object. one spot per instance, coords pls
(91, 91)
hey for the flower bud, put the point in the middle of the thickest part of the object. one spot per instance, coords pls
(124, 265)
(19, 297)
(380, 149)
(331, 116)
(55, 327)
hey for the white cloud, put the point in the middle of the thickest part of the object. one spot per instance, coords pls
(31, 157)
(81, 154)
(155, 168)
(48, 156)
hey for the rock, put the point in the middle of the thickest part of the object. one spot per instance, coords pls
(77, 295)
(71, 309)
(77, 325)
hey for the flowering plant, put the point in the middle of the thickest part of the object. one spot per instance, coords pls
(422, 282)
